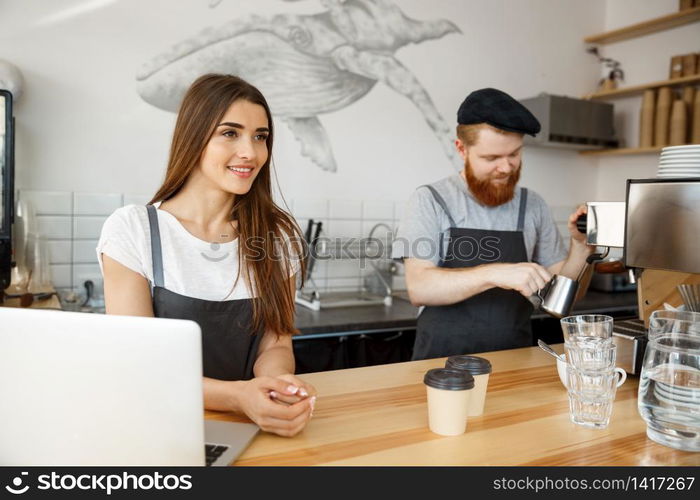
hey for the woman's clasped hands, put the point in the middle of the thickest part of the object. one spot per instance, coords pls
(281, 405)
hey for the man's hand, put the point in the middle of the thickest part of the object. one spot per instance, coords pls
(577, 237)
(525, 277)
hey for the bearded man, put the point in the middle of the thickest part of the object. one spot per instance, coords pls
(475, 246)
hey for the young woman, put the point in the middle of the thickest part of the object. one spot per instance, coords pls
(218, 251)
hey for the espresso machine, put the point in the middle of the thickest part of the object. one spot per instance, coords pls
(6, 187)
(658, 228)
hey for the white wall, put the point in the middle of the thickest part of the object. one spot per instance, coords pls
(82, 127)
(644, 59)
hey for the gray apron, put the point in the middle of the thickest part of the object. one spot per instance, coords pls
(489, 321)
(229, 346)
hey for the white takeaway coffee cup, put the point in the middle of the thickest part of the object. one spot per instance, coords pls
(448, 400)
(480, 369)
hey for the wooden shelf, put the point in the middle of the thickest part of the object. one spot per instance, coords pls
(638, 89)
(644, 28)
(621, 151)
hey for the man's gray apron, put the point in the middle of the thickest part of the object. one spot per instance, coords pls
(229, 346)
(492, 320)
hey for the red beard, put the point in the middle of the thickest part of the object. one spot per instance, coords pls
(488, 193)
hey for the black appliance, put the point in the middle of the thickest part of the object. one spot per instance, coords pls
(7, 171)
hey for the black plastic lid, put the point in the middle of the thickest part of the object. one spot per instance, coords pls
(472, 364)
(451, 380)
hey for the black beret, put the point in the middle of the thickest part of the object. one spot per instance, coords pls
(499, 110)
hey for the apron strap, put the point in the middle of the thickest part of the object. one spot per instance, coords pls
(521, 212)
(156, 251)
(441, 201)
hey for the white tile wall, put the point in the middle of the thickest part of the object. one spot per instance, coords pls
(380, 232)
(310, 209)
(49, 202)
(54, 226)
(84, 251)
(136, 199)
(302, 224)
(343, 269)
(344, 229)
(321, 284)
(319, 277)
(88, 227)
(84, 272)
(345, 209)
(72, 223)
(96, 203)
(61, 275)
(320, 270)
(344, 284)
(60, 251)
(287, 205)
(562, 213)
(400, 209)
(346, 219)
(377, 210)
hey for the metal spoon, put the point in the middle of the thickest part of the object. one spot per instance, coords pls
(546, 348)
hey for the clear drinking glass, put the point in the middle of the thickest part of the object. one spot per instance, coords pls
(669, 390)
(591, 395)
(592, 355)
(586, 327)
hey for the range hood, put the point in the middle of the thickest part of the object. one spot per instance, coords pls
(571, 123)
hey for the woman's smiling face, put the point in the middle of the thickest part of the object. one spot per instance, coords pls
(237, 150)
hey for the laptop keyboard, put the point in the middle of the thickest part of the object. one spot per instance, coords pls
(213, 451)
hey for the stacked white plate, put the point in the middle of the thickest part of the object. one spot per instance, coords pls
(680, 161)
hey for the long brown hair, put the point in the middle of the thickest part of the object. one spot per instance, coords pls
(269, 238)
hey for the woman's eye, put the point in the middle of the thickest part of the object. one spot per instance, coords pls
(261, 137)
(230, 133)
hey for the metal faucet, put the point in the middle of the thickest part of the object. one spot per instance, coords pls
(380, 224)
(383, 273)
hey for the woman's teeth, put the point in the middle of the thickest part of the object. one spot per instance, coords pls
(240, 169)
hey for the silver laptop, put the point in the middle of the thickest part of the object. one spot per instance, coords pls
(90, 389)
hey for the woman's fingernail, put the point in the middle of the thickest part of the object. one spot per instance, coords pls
(313, 404)
(292, 389)
(273, 394)
(303, 392)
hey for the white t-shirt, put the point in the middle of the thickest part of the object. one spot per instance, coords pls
(191, 267)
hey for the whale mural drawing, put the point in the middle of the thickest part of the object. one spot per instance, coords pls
(306, 65)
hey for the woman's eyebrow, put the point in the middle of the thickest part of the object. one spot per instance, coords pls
(238, 125)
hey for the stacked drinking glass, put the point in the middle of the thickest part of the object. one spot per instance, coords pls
(592, 378)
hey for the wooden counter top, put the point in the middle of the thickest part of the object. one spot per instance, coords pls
(378, 416)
